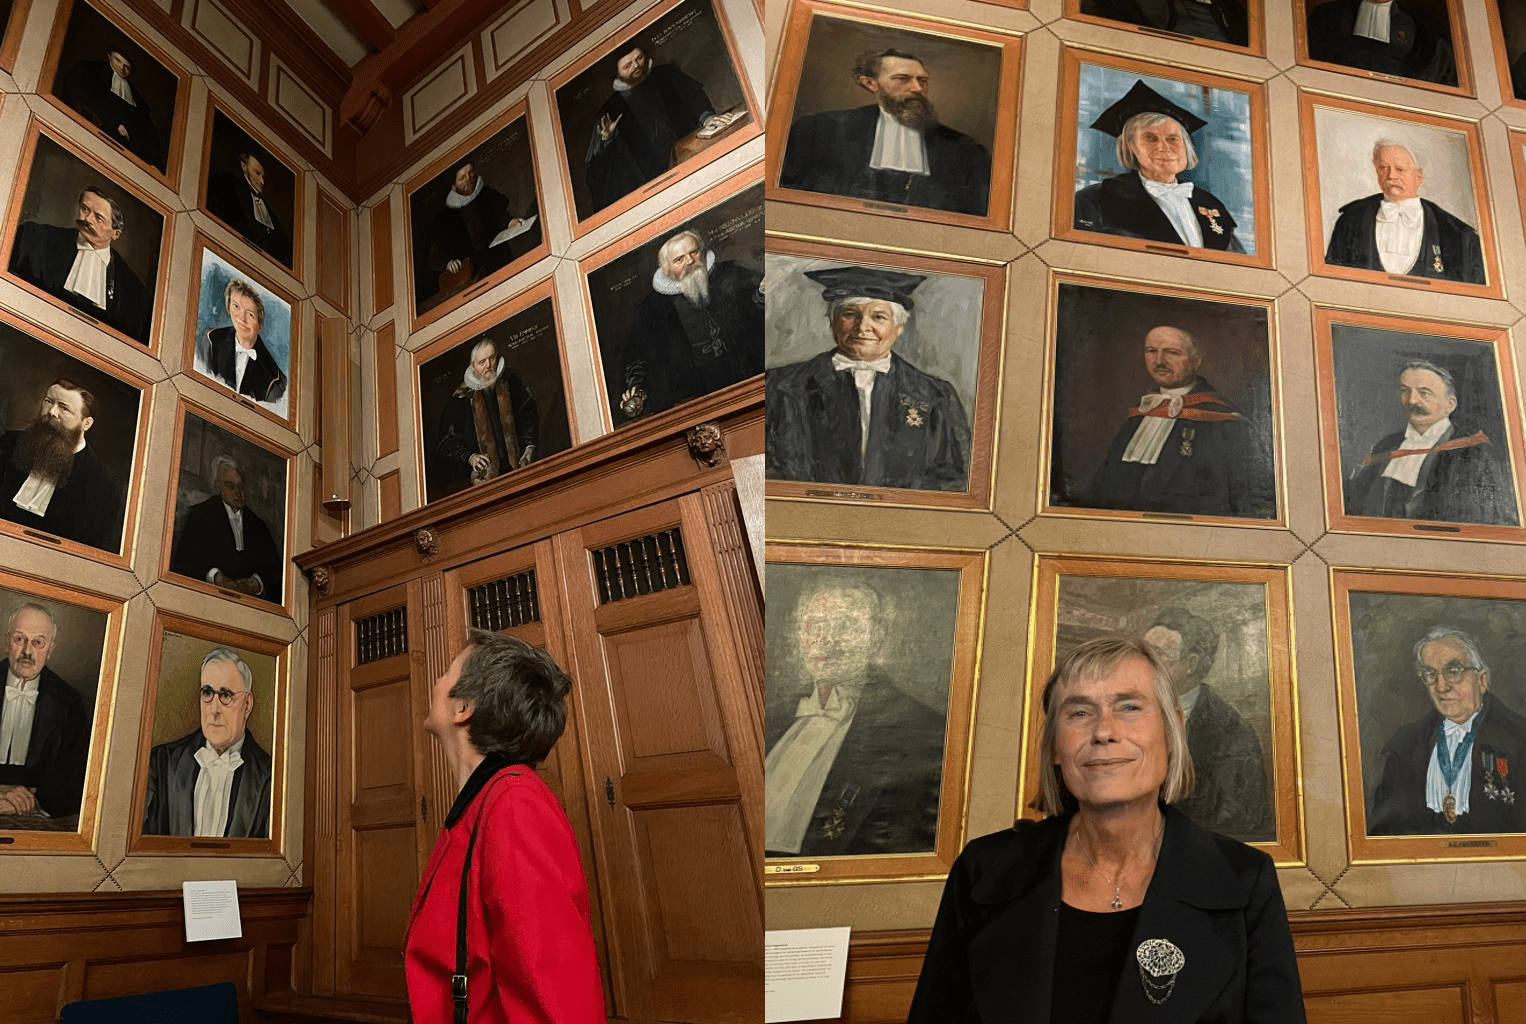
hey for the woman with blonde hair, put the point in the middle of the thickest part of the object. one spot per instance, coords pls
(1115, 907)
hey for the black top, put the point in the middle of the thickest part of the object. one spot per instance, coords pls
(1089, 953)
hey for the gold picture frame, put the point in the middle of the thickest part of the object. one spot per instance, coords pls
(1459, 43)
(943, 631)
(1380, 616)
(1145, 588)
(1256, 32)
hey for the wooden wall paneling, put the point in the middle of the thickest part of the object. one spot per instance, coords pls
(386, 389)
(378, 859)
(381, 255)
(334, 252)
(390, 486)
(662, 734)
(334, 367)
(733, 557)
(438, 649)
(323, 799)
(59, 948)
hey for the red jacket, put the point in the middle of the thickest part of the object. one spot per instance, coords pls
(530, 951)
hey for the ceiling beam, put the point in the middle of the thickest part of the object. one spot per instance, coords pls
(367, 22)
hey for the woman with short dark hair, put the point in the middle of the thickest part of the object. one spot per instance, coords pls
(1115, 907)
(500, 929)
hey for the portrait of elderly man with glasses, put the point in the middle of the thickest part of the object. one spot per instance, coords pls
(1451, 771)
(214, 781)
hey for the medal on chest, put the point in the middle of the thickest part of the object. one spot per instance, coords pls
(1436, 259)
(1189, 434)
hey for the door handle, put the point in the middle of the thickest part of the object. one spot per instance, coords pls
(609, 791)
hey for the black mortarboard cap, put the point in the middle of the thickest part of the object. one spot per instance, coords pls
(1141, 99)
(843, 282)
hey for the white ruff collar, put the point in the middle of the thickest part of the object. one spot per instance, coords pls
(665, 285)
(456, 200)
(476, 383)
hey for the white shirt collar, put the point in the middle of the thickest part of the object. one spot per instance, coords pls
(1373, 20)
(12, 679)
(1455, 730)
(455, 200)
(103, 253)
(1428, 437)
(897, 147)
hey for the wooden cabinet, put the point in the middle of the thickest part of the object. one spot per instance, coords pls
(625, 559)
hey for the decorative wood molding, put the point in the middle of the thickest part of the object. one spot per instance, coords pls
(427, 543)
(707, 444)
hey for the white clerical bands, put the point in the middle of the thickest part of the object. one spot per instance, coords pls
(1159, 962)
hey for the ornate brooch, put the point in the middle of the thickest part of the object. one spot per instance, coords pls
(1212, 221)
(1159, 962)
(1497, 789)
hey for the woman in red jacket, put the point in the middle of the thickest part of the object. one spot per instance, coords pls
(500, 927)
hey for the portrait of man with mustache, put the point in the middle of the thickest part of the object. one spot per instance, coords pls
(894, 150)
(52, 480)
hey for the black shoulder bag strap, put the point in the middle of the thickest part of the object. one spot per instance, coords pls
(458, 980)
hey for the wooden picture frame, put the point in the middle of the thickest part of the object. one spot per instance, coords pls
(438, 372)
(1455, 28)
(177, 643)
(1517, 137)
(691, 34)
(200, 471)
(965, 301)
(497, 148)
(119, 450)
(1475, 483)
(1381, 617)
(954, 49)
(138, 272)
(1255, 28)
(79, 25)
(1500, 36)
(1437, 142)
(216, 266)
(941, 635)
(13, 17)
(1243, 153)
(1249, 601)
(1239, 335)
(617, 289)
(76, 607)
(223, 189)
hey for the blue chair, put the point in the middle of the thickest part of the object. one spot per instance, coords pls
(205, 1004)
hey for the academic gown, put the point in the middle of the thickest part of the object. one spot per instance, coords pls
(991, 958)
(231, 200)
(57, 749)
(1398, 804)
(206, 542)
(87, 508)
(1461, 485)
(1415, 49)
(87, 88)
(829, 152)
(918, 434)
(661, 109)
(44, 255)
(169, 809)
(1120, 206)
(1449, 248)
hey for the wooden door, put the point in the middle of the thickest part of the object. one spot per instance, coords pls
(671, 760)
(380, 707)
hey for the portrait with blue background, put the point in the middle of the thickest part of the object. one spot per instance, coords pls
(275, 331)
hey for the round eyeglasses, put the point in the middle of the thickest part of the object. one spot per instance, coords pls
(224, 696)
(1452, 673)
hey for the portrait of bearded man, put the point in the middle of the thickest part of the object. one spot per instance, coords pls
(473, 232)
(490, 423)
(51, 478)
(699, 330)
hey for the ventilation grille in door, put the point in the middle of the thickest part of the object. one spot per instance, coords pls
(641, 566)
(382, 635)
(504, 603)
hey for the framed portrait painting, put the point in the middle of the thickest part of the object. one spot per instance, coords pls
(1507, 33)
(61, 647)
(252, 191)
(492, 398)
(1190, 385)
(213, 744)
(1163, 160)
(244, 339)
(1417, 42)
(1396, 197)
(1389, 386)
(474, 216)
(868, 701)
(940, 98)
(1433, 714)
(1224, 633)
(678, 303)
(228, 534)
(882, 375)
(85, 241)
(75, 437)
(1224, 24)
(121, 86)
(663, 99)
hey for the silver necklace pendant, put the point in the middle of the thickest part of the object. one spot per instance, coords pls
(1117, 903)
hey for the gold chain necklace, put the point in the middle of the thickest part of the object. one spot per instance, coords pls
(1117, 903)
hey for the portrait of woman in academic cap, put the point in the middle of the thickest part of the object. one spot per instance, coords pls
(859, 413)
(1147, 200)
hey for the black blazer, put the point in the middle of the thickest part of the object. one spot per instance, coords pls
(1447, 241)
(991, 956)
(231, 200)
(264, 381)
(169, 809)
(206, 542)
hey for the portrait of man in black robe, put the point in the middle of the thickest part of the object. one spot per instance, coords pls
(1388, 37)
